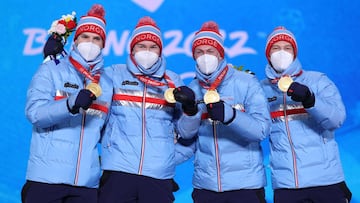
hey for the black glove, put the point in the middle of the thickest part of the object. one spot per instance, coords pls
(53, 46)
(216, 111)
(186, 97)
(83, 100)
(301, 93)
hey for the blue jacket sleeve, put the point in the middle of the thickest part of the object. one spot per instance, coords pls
(41, 109)
(184, 149)
(254, 123)
(188, 126)
(329, 110)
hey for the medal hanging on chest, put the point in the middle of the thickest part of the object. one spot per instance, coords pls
(284, 83)
(211, 95)
(94, 86)
(168, 94)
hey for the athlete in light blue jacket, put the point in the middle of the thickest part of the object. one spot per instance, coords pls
(138, 150)
(306, 108)
(226, 109)
(67, 119)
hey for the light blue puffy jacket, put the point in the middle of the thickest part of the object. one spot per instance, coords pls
(304, 152)
(64, 146)
(139, 137)
(228, 157)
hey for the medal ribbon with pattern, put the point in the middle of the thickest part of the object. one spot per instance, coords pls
(168, 95)
(285, 81)
(155, 83)
(211, 96)
(275, 80)
(93, 86)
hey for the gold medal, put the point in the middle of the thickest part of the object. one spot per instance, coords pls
(94, 88)
(169, 95)
(284, 83)
(211, 96)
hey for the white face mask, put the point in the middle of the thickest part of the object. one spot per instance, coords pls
(207, 63)
(88, 50)
(146, 58)
(281, 60)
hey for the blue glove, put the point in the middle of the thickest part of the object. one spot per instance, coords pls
(186, 97)
(301, 93)
(83, 100)
(53, 46)
(219, 112)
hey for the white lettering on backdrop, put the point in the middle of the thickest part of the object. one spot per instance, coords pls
(178, 43)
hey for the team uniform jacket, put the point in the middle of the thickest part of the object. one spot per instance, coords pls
(304, 152)
(228, 157)
(64, 145)
(139, 137)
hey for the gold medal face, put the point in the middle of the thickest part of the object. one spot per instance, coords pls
(284, 83)
(211, 96)
(169, 95)
(94, 88)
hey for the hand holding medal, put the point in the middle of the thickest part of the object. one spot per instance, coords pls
(284, 83)
(169, 96)
(186, 97)
(94, 88)
(211, 96)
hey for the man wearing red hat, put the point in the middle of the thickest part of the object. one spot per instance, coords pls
(138, 147)
(226, 109)
(306, 108)
(67, 103)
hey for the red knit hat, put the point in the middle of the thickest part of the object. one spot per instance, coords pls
(209, 34)
(280, 33)
(93, 22)
(146, 30)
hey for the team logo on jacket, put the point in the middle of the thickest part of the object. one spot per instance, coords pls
(271, 99)
(75, 86)
(127, 82)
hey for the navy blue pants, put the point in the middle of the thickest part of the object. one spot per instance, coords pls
(35, 192)
(337, 193)
(120, 187)
(234, 196)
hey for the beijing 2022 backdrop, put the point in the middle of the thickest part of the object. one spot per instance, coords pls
(327, 33)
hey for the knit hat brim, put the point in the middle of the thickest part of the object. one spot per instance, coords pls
(280, 34)
(209, 34)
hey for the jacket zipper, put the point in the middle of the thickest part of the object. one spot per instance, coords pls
(80, 145)
(217, 156)
(291, 144)
(143, 130)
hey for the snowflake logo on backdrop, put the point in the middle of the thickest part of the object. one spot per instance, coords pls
(149, 5)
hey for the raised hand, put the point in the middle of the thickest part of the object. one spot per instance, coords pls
(301, 93)
(186, 97)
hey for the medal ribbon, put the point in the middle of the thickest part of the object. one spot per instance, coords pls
(217, 81)
(275, 80)
(156, 83)
(84, 72)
